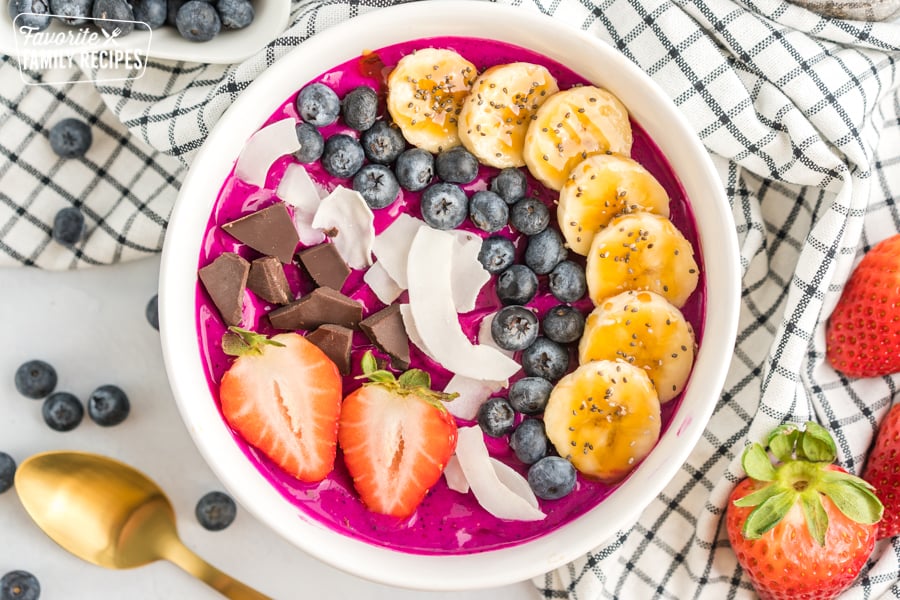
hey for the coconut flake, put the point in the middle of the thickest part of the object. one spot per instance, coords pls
(471, 395)
(456, 479)
(434, 314)
(392, 245)
(265, 147)
(468, 274)
(384, 287)
(345, 217)
(297, 189)
(412, 332)
(509, 500)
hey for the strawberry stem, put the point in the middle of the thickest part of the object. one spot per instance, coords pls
(413, 381)
(241, 342)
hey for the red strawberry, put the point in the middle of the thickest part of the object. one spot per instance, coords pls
(881, 471)
(805, 527)
(863, 334)
(283, 396)
(396, 437)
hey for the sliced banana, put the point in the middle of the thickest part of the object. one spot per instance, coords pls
(641, 251)
(644, 330)
(496, 113)
(604, 417)
(570, 126)
(425, 94)
(601, 187)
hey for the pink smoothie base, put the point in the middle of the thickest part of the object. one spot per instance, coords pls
(446, 522)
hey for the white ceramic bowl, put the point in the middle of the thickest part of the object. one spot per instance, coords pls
(584, 55)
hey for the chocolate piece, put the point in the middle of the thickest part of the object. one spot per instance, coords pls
(325, 265)
(267, 280)
(335, 341)
(270, 231)
(386, 330)
(225, 279)
(322, 305)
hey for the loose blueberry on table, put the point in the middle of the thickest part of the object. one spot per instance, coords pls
(19, 585)
(35, 379)
(108, 405)
(7, 471)
(62, 411)
(215, 511)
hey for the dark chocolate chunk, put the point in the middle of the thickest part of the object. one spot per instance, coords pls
(325, 265)
(322, 305)
(225, 279)
(386, 330)
(270, 231)
(267, 280)
(335, 341)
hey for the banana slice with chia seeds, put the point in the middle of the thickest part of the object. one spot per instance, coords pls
(646, 331)
(500, 105)
(425, 94)
(572, 125)
(641, 251)
(604, 417)
(601, 187)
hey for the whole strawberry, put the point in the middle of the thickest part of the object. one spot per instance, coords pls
(881, 471)
(803, 528)
(863, 333)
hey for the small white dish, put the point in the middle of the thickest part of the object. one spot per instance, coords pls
(271, 18)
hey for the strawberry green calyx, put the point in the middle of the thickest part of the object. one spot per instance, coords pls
(804, 473)
(241, 342)
(413, 381)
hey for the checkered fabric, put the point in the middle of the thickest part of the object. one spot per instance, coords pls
(802, 117)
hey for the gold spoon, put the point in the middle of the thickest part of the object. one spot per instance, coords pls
(112, 515)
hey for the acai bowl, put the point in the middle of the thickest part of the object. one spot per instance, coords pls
(450, 540)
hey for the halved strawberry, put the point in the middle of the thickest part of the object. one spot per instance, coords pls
(283, 396)
(396, 437)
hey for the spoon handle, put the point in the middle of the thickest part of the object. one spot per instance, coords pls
(179, 554)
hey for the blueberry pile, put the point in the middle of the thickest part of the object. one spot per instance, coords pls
(196, 20)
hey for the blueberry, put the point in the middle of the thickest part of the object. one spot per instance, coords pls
(497, 254)
(544, 251)
(514, 328)
(510, 184)
(568, 282)
(215, 511)
(312, 144)
(563, 324)
(517, 285)
(108, 405)
(38, 18)
(414, 169)
(151, 12)
(496, 417)
(197, 21)
(342, 156)
(71, 12)
(456, 165)
(377, 185)
(62, 411)
(545, 358)
(359, 108)
(318, 105)
(68, 226)
(444, 205)
(19, 585)
(529, 216)
(529, 395)
(152, 312)
(235, 14)
(71, 138)
(7, 471)
(551, 478)
(529, 441)
(382, 143)
(111, 15)
(35, 379)
(488, 211)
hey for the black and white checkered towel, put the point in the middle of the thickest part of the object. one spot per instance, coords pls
(802, 117)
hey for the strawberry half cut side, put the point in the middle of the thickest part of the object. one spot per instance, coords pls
(283, 396)
(396, 437)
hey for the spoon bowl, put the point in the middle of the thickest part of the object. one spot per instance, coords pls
(111, 515)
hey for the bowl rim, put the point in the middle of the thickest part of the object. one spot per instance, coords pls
(648, 105)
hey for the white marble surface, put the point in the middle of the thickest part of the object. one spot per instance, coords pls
(90, 326)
